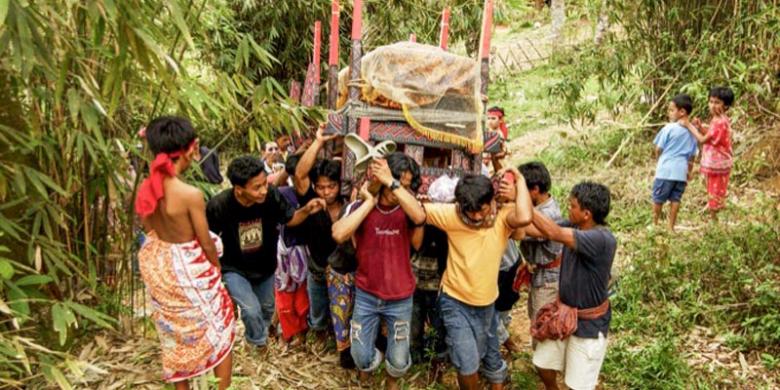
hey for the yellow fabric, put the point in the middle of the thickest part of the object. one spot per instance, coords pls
(474, 255)
(474, 145)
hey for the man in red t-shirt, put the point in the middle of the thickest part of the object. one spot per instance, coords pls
(381, 229)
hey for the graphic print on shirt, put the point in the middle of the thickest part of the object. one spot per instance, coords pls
(250, 235)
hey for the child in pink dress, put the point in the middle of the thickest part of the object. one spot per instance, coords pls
(717, 155)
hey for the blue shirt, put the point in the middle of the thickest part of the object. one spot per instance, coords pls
(678, 147)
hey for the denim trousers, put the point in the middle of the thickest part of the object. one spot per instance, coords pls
(255, 300)
(319, 303)
(369, 311)
(472, 338)
(429, 344)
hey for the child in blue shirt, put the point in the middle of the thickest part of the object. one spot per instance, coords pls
(675, 151)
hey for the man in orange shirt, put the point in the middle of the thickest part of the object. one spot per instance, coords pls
(477, 234)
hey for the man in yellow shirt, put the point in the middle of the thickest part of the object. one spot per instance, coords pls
(477, 234)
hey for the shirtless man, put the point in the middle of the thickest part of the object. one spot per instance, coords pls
(196, 334)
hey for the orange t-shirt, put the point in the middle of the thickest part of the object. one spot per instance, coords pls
(474, 254)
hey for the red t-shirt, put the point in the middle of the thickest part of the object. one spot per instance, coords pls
(382, 246)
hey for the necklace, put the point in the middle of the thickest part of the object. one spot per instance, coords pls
(388, 212)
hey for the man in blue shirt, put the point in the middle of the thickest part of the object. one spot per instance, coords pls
(675, 149)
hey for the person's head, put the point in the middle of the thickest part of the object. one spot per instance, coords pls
(679, 107)
(283, 141)
(495, 115)
(537, 179)
(474, 197)
(720, 100)
(249, 179)
(406, 171)
(290, 164)
(173, 135)
(271, 152)
(589, 204)
(325, 178)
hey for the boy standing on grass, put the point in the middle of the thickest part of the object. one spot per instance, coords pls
(179, 262)
(675, 149)
(716, 158)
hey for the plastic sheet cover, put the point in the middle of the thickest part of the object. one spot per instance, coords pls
(437, 91)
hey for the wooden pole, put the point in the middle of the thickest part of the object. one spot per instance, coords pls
(484, 72)
(348, 168)
(444, 34)
(316, 60)
(333, 56)
(484, 48)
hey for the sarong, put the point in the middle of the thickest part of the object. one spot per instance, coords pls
(341, 291)
(193, 312)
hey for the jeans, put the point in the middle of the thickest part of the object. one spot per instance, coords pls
(502, 331)
(319, 303)
(369, 310)
(425, 309)
(256, 301)
(471, 338)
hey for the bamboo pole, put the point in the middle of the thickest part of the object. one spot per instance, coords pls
(333, 56)
(444, 33)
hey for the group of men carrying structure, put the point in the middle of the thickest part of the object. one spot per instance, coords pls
(376, 270)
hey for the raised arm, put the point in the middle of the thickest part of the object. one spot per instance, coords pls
(307, 161)
(551, 230)
(522, 214)
(345, 227)
(693, 128)
(196, 209)
(314, 206)
(408, 202)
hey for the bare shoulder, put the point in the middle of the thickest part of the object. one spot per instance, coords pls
(184, 192)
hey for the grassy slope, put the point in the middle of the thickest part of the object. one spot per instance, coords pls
(687, 304)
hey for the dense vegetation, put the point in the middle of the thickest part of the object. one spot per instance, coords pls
(77, 80)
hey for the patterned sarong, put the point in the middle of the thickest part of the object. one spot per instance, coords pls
(193, 312)
(341, 291)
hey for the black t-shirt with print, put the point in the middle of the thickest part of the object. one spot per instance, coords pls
(249, 234)
(585, 272)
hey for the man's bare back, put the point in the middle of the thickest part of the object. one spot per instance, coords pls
(181, 217)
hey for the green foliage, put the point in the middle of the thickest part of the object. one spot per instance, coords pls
(77, 79)
(285, 29)
(653, 366)
(695, 45)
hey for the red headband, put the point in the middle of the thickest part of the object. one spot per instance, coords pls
(498, 113)
(151, 190)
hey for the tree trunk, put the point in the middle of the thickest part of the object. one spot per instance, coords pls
(603, 23)
(558, 13)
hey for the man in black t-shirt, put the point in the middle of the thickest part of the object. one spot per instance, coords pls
(246, 216)
(589, 249)
(319, 178)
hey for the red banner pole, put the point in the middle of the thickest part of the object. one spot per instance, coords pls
(444, 35)
(333, 56)
(316, 58)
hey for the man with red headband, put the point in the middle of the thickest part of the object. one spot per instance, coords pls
(179, 262)
(496, 135)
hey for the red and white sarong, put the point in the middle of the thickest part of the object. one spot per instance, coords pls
(193, 312)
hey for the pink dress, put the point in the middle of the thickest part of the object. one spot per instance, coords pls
(716, 162)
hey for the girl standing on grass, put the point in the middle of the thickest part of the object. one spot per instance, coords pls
(717, 155)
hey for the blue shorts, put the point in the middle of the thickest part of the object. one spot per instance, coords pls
(668, 190)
